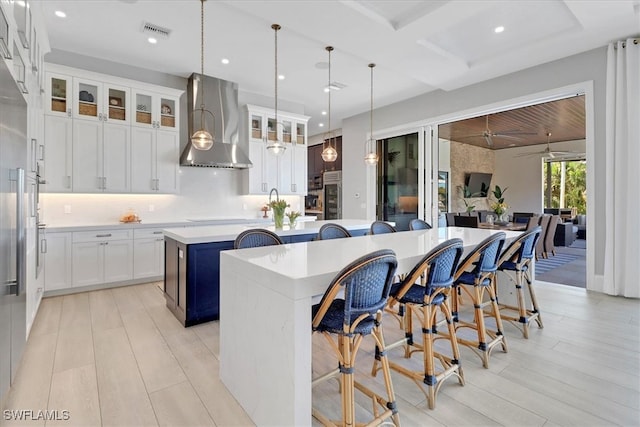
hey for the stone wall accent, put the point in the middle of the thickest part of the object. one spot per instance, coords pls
(467, 158)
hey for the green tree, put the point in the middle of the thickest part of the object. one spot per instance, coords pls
(575, 195)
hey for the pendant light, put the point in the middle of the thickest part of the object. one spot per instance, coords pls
(276, 147)
(202, 139)
(329, 153)
(371, 156)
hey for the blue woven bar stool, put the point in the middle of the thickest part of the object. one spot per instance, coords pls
(418, 224)
(516, 262)
(424, 300)
(366, 283)
(381, 227)
(332, 231)
(256, 237)
(476, 277)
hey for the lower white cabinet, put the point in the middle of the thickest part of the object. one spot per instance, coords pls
(102, 257)
(57, 260)
(148, 253)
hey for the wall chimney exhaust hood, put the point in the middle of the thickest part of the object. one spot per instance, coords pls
(222, 101)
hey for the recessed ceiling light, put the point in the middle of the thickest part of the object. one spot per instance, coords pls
(60, 14)
(326, 89)
(499, 29)
(152, 40)
(321, 125)
(324, 113)
(225, 61)
(281, 77)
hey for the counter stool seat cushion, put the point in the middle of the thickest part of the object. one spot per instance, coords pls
(414, 295)
(333, 320)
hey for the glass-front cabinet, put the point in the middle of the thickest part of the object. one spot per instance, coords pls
(101, 101)
(288, 172)
(155, 111)
(58, 94)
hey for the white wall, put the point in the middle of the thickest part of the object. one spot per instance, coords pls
(585, 67)
(204, 192)
(524, 175)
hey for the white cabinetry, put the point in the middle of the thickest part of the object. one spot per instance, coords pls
(105, 134)
(154, 110)
(154, 154)
(287, 173)
(102, 257)
(148, 253)
(57, 260)
(101, 156)
(58, 153)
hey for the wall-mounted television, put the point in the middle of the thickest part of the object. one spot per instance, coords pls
(477, 184)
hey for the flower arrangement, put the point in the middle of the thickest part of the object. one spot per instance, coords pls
(293, 215)
(499, 207)
(278, 207)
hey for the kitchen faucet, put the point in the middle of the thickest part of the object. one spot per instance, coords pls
(277, 195)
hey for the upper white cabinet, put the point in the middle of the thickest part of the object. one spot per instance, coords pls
(154, 110)
(105, 134)
(288, 172)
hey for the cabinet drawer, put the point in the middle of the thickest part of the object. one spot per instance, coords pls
(147, 233)
(101, 236)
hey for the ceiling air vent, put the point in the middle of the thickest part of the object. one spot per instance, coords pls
(155, 30)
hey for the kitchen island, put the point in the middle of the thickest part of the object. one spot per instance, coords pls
(192, 263)
(265, 313)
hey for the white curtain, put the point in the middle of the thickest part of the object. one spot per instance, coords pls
(622, 243)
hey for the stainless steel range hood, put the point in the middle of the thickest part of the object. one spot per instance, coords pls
(221, 98)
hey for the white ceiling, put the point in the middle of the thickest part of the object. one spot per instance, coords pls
(418, 46)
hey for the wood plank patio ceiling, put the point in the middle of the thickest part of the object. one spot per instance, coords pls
(564, 118)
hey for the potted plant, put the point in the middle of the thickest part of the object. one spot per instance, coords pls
(499, 206)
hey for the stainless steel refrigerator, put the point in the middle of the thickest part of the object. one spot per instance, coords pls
(13, 162)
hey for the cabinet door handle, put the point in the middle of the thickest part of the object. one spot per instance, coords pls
(68, 181)
(69, 112)
(157, 232)
(104, 182)
(103, 235)
(41, 149)
(43, 246)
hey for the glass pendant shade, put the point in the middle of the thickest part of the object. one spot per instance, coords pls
(329, 154)
(202, 139)
(276, 147)
(371, 156)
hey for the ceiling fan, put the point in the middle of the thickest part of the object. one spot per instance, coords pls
(488, 135)
(547, 153)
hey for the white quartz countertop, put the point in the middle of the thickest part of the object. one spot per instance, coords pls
(221, 233)
(319, 261)
(195, 221)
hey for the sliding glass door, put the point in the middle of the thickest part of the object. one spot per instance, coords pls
(398, 172)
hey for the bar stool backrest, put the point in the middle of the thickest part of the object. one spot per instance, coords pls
(418, 224)
(381, 227)
(332, 231)
(441, 263)
(485, 256)
(366, 283)
(523, 247)
(256, 237)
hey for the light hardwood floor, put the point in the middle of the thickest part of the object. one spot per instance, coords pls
(118, 357)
